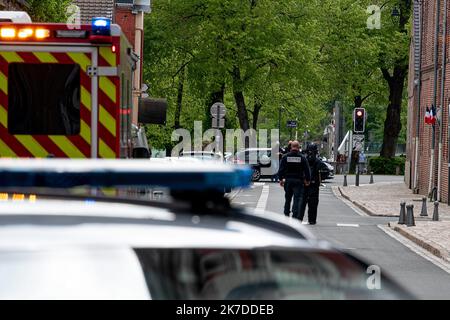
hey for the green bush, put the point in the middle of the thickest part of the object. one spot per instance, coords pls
(380, 165)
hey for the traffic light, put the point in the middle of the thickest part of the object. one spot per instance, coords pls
(359, 120)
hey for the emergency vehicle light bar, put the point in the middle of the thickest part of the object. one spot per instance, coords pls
(68, 173)
(12, 33)
(101, 26)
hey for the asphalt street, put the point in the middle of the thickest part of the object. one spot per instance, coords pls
(361, 235)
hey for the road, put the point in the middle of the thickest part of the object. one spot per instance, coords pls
(361, 235)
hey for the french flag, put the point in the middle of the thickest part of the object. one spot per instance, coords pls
(428, 116)
(433, 115)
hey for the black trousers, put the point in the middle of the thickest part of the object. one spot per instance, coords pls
(293, 188)
(310, 198)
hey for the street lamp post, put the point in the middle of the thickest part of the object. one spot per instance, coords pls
(279, 122)
(279, 119)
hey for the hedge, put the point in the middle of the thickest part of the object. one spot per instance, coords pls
(380, 165)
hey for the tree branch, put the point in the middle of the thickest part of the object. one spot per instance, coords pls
(367, 96)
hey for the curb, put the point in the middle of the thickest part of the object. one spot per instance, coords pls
(430, 246)
(363, 208)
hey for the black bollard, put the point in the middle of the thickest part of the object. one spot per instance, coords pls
(402, 219)
(410, 216)
(436, 211)
(424, 212)
(371, 177)
(357, 177)
(345, 180)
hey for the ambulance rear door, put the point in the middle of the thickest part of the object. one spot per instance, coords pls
(49, 102)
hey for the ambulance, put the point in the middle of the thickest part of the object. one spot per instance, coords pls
(67, 92)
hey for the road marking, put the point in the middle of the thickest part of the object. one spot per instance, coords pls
(259, 184)
(262, 202)
(350, 225)
(416, 249)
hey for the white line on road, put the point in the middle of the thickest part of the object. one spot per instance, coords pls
(416, 249)
(350, 225)
(259, 184)
(262, 202)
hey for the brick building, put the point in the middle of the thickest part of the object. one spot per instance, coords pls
(129, 14)
(429, 84)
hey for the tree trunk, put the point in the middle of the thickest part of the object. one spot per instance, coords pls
(240, 100)
(216, 96)
(256, 110)
(358, 101)
(393, 125)
(396, 82)
(179, 99)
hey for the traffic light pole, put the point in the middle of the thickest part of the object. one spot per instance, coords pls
(350, 149)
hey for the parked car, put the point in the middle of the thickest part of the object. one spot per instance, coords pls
(326, 171)
(260, 160)
(203, 155)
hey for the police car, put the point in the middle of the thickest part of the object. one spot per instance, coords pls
(59, 242)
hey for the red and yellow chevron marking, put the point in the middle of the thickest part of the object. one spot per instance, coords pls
(108, 99)
(62, 146)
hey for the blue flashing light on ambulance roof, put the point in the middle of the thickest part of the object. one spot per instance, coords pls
(101, 26)
(68, 173)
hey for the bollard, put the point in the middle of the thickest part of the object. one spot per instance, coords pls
(402, 219)
(424, 212)
(345, 180)
(371, 177)
(436, 211)
(357, 177)
(410, 216)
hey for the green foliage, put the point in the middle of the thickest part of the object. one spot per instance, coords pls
(298, 55)
(356, 58)
(273, 45)
(380, 165)
(48, 10)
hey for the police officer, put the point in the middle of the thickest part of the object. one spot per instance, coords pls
(311, 193)
(294, 174)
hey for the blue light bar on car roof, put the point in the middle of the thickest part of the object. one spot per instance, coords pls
(67, 173)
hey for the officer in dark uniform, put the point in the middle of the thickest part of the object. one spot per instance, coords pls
(294, 174)
(311, 193)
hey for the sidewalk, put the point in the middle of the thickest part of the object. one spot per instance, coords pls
(383, 199)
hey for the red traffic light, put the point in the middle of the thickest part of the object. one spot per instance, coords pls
(359, 120)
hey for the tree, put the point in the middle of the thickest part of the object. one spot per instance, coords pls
(252, 55)
(394, 62)
(262, 56)
(48, 10)
(369, 67)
